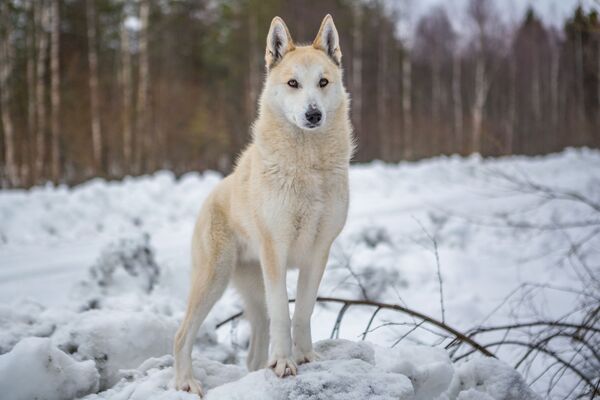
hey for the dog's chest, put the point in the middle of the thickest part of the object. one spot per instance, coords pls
(308, 199)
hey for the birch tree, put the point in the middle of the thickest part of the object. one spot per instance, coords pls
(382, 94)
(55, 89)
(126, 94)
(434, 43)
(598, 77)
(28, 164)
(457, 101)
(512, 104)
(7, 56)
(93, 84)
(357, 46)
(142, 135)
(479, 11)
(42, 16)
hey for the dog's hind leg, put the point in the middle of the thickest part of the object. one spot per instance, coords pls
(248, 280)
(213, 258)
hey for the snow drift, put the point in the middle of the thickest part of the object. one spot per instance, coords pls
(93, 283)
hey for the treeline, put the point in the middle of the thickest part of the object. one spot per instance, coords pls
(116, 87)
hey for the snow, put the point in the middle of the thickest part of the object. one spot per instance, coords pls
(94, 278)
(489, 378)
(35, 369)
(320, 380)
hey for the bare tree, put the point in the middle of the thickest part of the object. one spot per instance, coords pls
(93, 84)
(480, 13)
(407, 104)
(382, 93)
(126, 93)
(457, 101)
(6, 66)
(357, 45)
(253, 66)
(598, 77)
(55, 89)
(42, 15)
(28, 152)
(142, 136)
(579, 76)
(435, 39)
(512, 105)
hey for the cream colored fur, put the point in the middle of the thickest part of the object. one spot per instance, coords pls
(282, 207)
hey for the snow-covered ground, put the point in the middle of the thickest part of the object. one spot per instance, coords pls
(93, 282)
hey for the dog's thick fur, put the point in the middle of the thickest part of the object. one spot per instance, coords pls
(283, 206)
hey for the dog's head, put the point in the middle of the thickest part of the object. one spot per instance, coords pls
(304, 83)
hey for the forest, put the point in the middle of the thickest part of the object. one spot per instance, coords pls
(112, 88)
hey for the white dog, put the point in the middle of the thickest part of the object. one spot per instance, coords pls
(283, 206)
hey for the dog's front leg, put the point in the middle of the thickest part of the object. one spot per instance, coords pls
(273, 263)
(306, 296)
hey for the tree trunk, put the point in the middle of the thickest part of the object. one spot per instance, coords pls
(42, 15)
(512, 105)
(55, 90)
(580, 82)
(435, 134)
(357, 49)
(407, 105)
(6, 66)
(457, 102)
(253, 67)
(93, 84)
(597, 135)
(536, 105)
(29, 150)
(126, 93)
(142, 135)
(382, 86)
(478, 105)
(554, 94)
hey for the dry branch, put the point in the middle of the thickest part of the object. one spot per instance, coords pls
(346, 303)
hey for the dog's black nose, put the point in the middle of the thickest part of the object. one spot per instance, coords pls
(313, 115)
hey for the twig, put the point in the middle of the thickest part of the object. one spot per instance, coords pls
(437, 262)
(335, 332)
(364, 335)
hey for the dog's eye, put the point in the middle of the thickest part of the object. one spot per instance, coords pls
(293, 83)
(323, 82)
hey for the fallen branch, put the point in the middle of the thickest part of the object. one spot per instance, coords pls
(346, 303)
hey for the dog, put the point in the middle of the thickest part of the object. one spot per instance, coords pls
(283, 206)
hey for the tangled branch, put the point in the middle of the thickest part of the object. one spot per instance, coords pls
(347, 303)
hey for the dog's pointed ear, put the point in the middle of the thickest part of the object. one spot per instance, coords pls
(328, 40)
(279, 42)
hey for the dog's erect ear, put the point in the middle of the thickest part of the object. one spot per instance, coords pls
(328, 40)
(279, 42)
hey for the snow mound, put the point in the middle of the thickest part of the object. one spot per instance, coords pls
(124, 265)
(345, 371)
(26, 318)
(489, 378)
(153, 380)
(428, 368)
(35, 369)
(116, 340)
(92, 354)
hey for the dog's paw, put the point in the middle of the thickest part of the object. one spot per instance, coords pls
(306, 357)
(283, 366)
(189, 385)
